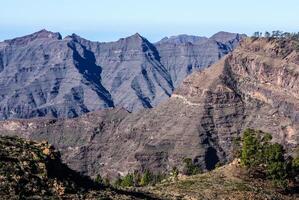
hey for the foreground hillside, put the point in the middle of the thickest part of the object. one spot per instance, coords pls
(30, 170)
(226, 182)
(257, 86)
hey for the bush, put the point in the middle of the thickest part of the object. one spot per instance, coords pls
(236, 147)
(295, 167)
(137, 179)
(146, 178)
(99, 179)
(127, 181)
(190, 168)
(106, 181)
(175, 173)
(118, 181)
(259, 155)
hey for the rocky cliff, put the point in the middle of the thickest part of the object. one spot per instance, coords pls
(44, 75)
(184, 54)
(254, 87)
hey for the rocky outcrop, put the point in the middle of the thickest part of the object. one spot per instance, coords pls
(31, 170)
(44, 75)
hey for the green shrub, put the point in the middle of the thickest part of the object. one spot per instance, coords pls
(117, 182)
(236, 147)
(189, 167)
(146, 178)
(99, 179)
(106, 181)
(127, 181)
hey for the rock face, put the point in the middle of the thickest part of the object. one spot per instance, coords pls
(184, 54)
(44, 75)
(254, 87)
(182, 39)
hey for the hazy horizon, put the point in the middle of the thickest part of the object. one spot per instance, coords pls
(109, 21)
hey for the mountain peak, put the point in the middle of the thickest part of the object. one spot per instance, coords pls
(224, 37)
(136, 37)
(133, 40)
(75, 37)
(182, 39)
(42, 34)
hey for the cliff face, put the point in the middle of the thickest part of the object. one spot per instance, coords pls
(184, 54)
(44, 75)
(266, 77)
(254, 87)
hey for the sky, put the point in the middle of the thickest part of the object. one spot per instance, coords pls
(109, 20)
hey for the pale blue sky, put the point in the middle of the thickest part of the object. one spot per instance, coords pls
(108, 20)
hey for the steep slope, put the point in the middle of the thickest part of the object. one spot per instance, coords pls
(132, 71)
(30, 170)
(182, 54)
(44, 75)
(254, 87)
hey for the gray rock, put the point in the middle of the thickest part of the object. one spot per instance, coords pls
(182, 39)
(44, 75)
(183, 58)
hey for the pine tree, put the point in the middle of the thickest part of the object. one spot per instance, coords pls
(276, 167)
(250, 149)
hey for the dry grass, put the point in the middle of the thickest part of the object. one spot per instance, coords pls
(227, 182)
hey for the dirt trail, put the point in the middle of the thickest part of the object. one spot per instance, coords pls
(185, 100)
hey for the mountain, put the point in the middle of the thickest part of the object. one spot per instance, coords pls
(182, 39)
(256, 87)
(185, 54)
(42, 74)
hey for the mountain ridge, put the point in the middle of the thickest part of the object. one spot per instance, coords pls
(44, 74)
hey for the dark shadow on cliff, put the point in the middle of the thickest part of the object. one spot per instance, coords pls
(86, 64)
(211, 158)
